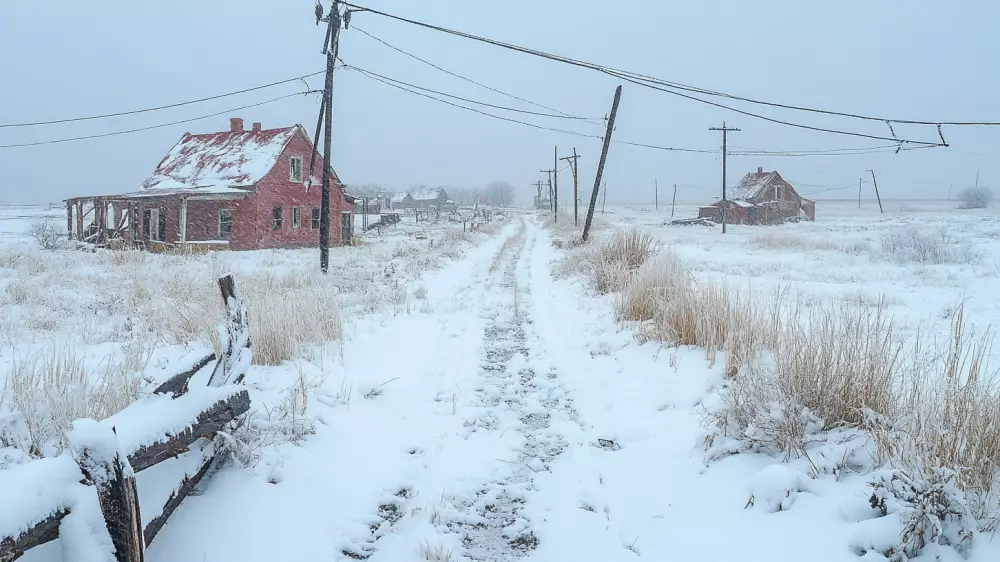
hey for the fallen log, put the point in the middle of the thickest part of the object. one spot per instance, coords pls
(209, 422)
(46, 530)
(186, 487)
(178, 384)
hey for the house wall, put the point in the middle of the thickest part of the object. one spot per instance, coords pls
(252, 224)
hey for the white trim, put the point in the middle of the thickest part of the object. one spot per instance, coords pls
(184, 219)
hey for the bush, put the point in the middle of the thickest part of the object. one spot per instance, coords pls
(933, 247)
(47, 234)
(611, 264)
(975, 198)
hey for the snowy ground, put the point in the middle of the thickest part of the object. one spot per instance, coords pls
(504, 414)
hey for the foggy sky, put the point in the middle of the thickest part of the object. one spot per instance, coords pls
(900, 59)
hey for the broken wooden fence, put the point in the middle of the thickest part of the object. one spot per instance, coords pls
(174, 424)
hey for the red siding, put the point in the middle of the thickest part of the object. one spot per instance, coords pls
(252, 226)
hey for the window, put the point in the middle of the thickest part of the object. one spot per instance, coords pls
(154, 223)
(296, 217)
(295, 169)
(315, 218)
(276, 218)
(225, 222)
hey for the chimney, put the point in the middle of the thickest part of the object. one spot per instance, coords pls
(235, 125)
(256, 127)
(760, 169)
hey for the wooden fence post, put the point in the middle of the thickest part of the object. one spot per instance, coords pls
(95, 449)
(236, 357)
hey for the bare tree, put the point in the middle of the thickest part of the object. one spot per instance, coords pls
(500, 194)
(975, 197)
(48, 234)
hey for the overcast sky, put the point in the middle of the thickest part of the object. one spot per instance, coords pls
(925, 60)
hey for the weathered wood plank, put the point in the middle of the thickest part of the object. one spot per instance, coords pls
(236, 356)
(178, 384)
(95, 448)
(207, 424)
(182, 491)
(47, 530)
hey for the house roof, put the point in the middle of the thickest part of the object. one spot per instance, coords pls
(426, 194)
(228, 159)
(398, 197)
(752, 185)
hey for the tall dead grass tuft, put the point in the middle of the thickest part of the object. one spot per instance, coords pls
(612, 264)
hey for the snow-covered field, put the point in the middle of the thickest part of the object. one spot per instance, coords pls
(476, 402)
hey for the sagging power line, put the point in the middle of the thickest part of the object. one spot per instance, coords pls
(652, 82)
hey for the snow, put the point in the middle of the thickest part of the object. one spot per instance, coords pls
(33, 491)
(151, 419)
(503, 412)
(751, 185)
(226, 160)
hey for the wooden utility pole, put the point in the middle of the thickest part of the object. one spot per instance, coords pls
(600, 164)
(656, 194)
(549, 172)
(330, 48)
(604, 202)
(538, 201)
(725, 204)
(859, 193)
(576, 187)
(875, 183)
(673, 202)
(555, 184)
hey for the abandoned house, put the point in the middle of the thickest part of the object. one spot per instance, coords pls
(761, 198)
(421, 199)
(237, 189)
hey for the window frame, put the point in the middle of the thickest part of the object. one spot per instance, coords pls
(296, 217)
(315, 218)
(291, 169)
(277, 218)
(220, 232)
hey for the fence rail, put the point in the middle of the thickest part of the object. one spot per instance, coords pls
(104, 457)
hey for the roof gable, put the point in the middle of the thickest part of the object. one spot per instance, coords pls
(756, 184)
(428, 194)
(227, 159)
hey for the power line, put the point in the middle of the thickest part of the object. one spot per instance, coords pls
(408, 88)
(86, 137)
(635, 78)
(148, 109)
(505, 108)
(459, 76)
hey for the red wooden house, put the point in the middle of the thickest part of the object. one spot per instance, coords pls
(238, 189)
(760, 198)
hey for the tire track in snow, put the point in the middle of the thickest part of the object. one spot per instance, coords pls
(512, 391)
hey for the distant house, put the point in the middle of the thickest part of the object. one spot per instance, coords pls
(400, 201)
(760, 198)
(237, 189)
(429, 198)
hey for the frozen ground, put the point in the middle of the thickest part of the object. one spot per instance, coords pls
(501, 414)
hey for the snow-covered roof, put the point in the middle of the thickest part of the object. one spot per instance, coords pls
(398, 197)
(426, 194)
(752, 185)
(224, 160)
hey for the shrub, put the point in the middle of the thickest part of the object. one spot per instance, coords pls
(611, 264)
(47, 234)
(975, 198)
(933, 247)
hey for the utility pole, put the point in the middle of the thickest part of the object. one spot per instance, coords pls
(549, 172)
(977, 179)
(555, 184)
(859, 193)
(600, 164)
(331, 45)
(656, 194)
(876, 192)
(538, 201)
(673, 203)
(604, 203)
(725, 204)
(576, 187)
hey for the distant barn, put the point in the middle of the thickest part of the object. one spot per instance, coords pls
(761, 198)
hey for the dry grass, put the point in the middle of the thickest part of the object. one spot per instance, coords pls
(47, 390)
(937, 246)
(435, 553)
(799, 243)
(612, 264)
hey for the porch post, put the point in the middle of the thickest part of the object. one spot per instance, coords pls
(184, 219)
(69, 220)
(79, 220)
(101, 219)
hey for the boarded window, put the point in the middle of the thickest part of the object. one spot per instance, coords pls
(225, 222)
(162, 224)
(296, 217)
(276, 218)
(154, 224)
(315, 218)
(295, 169)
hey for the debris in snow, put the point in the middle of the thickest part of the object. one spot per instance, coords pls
(608, 444)
(775, 488)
